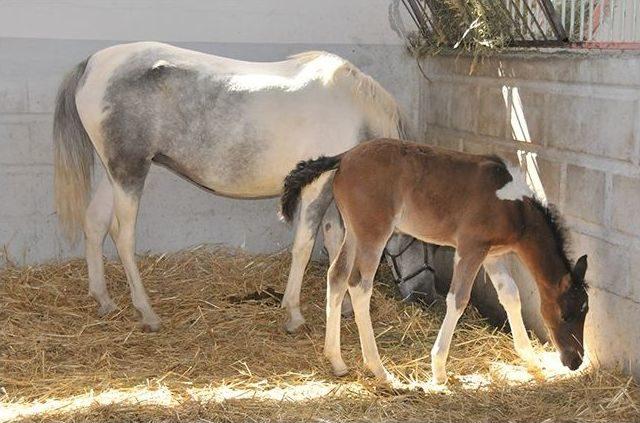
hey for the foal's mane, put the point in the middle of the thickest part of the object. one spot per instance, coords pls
(559, 233)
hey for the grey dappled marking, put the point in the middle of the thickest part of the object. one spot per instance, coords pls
(318, 207)
(170, 111)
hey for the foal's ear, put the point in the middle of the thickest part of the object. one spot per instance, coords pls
(580, 269)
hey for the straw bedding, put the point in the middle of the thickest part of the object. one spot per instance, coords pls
(221, 354)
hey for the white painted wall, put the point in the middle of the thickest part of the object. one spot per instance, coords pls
(218, 21)
(40, 40)
(577, 116)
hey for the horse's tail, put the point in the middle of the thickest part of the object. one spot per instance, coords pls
(304, 173)
(73, 156)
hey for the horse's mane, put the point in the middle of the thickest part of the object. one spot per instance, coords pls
(384, 115)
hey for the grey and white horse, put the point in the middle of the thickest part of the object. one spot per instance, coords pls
(232, 127)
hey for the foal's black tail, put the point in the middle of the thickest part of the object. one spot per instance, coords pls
(305, 172)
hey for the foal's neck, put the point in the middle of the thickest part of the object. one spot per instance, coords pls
(539, 249)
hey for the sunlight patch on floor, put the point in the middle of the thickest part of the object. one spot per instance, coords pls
(142, 395)
(309, 390)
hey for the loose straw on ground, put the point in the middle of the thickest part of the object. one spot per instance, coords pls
(222, 355)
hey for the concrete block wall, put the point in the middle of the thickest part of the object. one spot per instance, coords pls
(40, 41)
(574, 120)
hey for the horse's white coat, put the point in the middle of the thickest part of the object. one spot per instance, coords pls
(274, 115)
(312, 104)
(518, 188)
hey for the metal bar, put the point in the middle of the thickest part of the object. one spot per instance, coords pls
(608, 45)
(522, 20)
(572, 18)
(538, 43)
(624, 19)
(634, 33)
(533, 16)
(598, 19)
(431, 21)
(590, 36)
(582, 7)
(422, 24)
(556, 24)
(612, 14)
(423, 30)
(437, 26)
(564, 10)
(507, 12)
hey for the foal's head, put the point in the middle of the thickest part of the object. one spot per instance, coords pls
(564, 297)
(565, 312)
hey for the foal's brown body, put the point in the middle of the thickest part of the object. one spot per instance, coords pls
(440, 196)
(446, 198)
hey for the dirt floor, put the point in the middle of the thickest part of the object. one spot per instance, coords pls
(221, 354)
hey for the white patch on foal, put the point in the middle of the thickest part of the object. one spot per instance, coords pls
(518, 188)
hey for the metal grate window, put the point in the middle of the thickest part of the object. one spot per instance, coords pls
(577, 23)
(601, 22)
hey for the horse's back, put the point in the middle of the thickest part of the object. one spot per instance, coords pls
(232, 126)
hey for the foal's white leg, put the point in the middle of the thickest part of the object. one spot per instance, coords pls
(126, 211)
(465, 270)
(361, 299)
(333, 234)
(315, 199)
(98, 218)
(509, 297)
(440, 350)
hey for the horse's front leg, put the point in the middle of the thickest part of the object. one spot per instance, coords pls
(509, 297)
(315, 199)
(467, 263)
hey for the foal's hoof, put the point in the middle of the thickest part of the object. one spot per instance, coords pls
(292, 326)
(107, 308)
(440, 377)
(339, 369)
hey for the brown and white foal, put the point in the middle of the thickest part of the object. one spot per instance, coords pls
(475, 203)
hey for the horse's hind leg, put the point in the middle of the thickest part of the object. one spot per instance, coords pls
(340, 269)
(333, 233)
(315, 199)
(98, 219)
(509, 297)
(126, 202)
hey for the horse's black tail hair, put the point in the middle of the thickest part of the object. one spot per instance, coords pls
(305, 172)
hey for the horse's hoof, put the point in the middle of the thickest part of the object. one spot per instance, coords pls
(149, 327)
(292, 326)
(106, 308)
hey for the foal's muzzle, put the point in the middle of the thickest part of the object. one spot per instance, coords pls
(572, 360)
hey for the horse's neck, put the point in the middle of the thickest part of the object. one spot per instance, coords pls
(538, 250)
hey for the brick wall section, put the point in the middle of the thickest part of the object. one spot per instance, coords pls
(580, 115)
